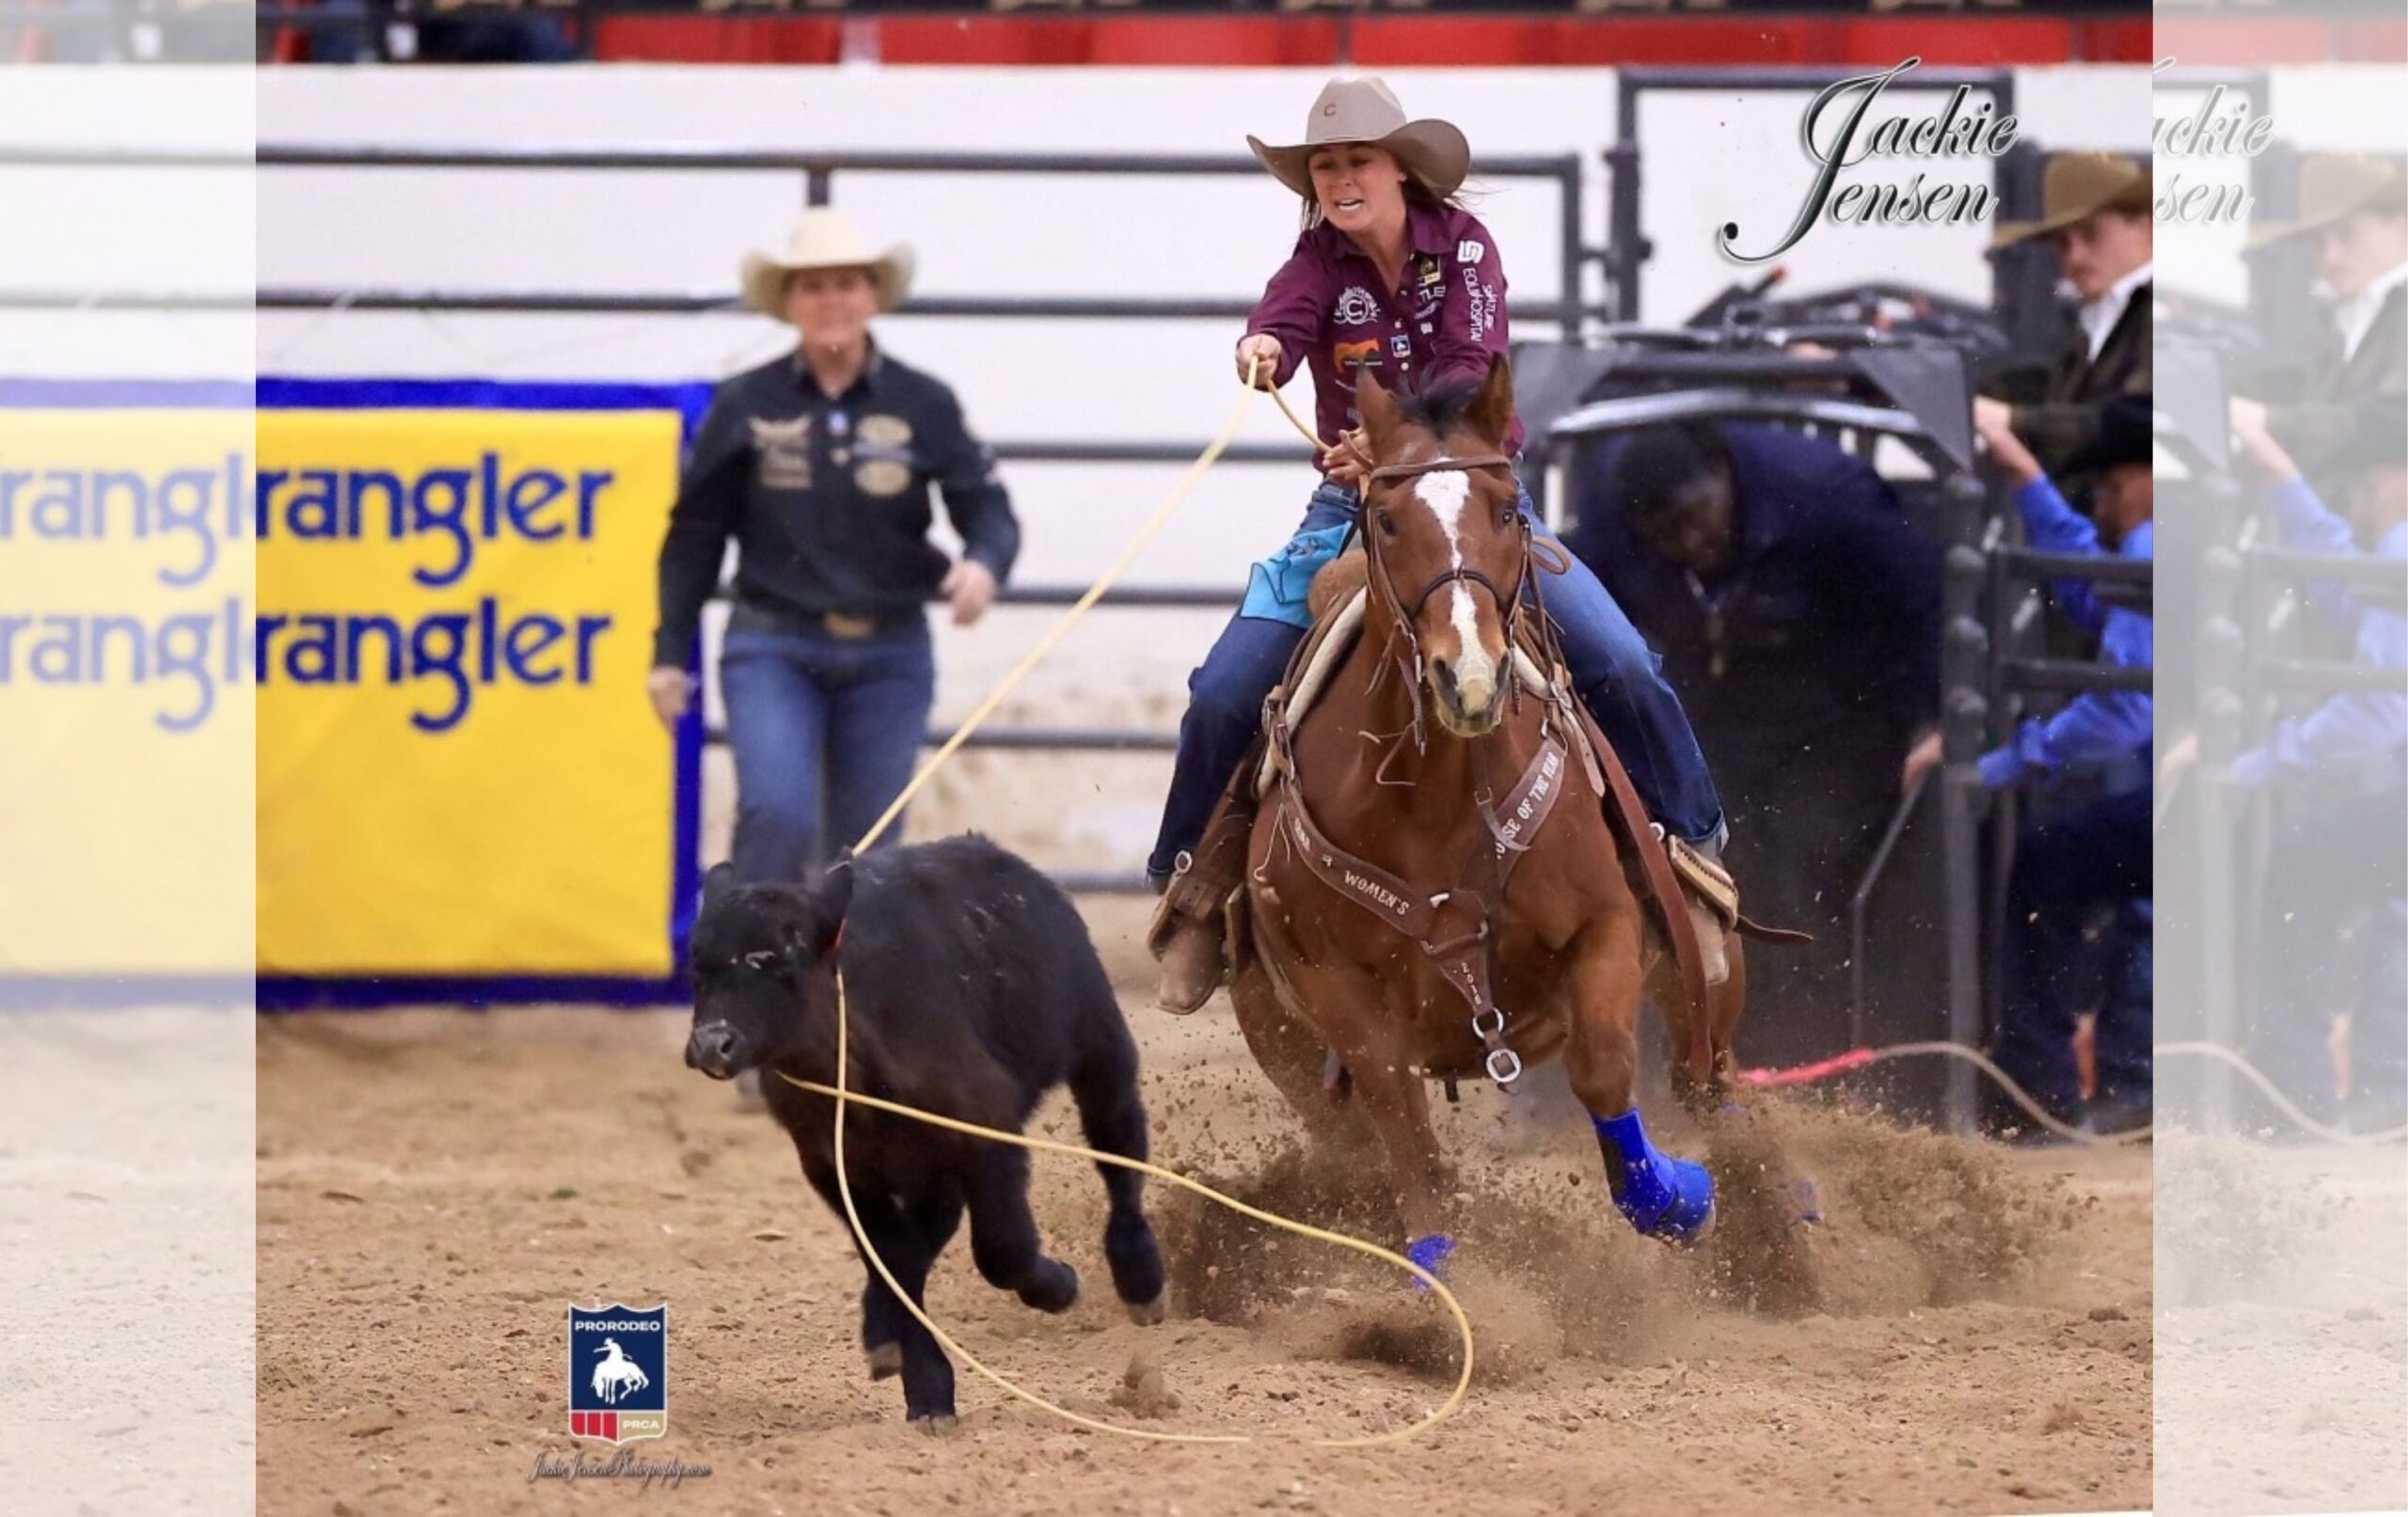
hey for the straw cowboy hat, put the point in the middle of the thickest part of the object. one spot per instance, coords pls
(826, 239)
(1366, 110)
(2077, 185)
(2331, 186)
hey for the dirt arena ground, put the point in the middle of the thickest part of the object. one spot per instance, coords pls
(1965, 1331)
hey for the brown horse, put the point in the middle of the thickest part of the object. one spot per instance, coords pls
(1417, 907)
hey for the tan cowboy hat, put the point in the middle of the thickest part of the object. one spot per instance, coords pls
(2331, 186)
(826, 237)
(1366, 110)
(2076, 185)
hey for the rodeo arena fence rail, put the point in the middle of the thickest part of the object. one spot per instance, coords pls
(2242, 659)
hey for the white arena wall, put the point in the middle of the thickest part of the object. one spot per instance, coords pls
(1709, 159)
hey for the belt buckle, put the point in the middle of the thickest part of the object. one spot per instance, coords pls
(850, 628)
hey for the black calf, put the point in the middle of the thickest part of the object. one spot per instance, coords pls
(973, 990)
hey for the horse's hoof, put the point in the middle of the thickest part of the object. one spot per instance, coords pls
(1662, 1196)
(1679, 1208)
(1148, 1313)
(1431, 1253)
(885, 1361)
(938, 1423)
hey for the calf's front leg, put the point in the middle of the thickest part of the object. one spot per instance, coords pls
(1004, 1241)
(891, 1338)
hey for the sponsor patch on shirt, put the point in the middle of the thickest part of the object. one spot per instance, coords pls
(882, 477)
(1363, 354)
(885, 431)
(1356, 308)
(783, 451)
(1483, 301)
(1469, 250)
(1402, 345)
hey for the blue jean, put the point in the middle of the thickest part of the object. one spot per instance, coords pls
(825, 732)
(2065, 868)
(1619, 677)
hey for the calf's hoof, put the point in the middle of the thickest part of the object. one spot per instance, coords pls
(937, 1424)
(1148, 1313)
(1051, 1287)
(885, 1361)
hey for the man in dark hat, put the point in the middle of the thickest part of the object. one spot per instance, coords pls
(2355, 206)
(2094, 853)
(2094, 216)
(2330, 947)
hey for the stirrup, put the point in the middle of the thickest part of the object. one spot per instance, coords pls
(1707, 880)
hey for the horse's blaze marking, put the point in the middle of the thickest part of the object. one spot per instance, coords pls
(1445, 492)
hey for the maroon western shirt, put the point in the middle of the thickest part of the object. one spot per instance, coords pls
(1326, 307)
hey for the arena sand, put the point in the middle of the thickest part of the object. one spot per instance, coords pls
(1967, 1330)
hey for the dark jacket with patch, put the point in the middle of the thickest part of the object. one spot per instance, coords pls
(826, 499)
(2321, 411)
(2065, 418)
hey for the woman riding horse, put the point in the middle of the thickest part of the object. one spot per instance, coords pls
(1448, 873)
(1392, 278)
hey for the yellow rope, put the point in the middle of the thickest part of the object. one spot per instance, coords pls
(1146, 533)
(2282, 1103)
(841, 1095)
(1298, 422)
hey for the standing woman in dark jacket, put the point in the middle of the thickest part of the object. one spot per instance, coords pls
(818, 465)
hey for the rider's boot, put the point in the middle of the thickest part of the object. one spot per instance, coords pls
(1713, 900)
(1188, 930)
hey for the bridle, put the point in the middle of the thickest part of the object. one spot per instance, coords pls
(1508, 603)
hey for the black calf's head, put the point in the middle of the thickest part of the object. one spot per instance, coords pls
(764, 962)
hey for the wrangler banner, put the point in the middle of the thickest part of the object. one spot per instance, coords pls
(126, 714)
(459, 776)
(378, 647)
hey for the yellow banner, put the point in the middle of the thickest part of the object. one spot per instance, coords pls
(125, 705)
(458, 774)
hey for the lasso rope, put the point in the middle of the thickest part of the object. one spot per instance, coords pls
(843, 1096)
(1806, 1074)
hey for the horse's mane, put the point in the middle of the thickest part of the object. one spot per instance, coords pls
(1439, 406)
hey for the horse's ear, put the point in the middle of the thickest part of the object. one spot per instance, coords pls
(1492, 409)
(717, 883)
(1378, 410)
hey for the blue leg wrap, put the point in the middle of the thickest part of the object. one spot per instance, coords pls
(1429, 1253)
(1663, 1196)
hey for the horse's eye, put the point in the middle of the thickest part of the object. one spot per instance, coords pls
(1387, 524)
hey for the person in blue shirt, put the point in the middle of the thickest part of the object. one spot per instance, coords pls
(1798, 616)
(2094, 854)
(2332, 942)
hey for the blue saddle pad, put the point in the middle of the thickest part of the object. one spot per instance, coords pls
(1278, 588)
